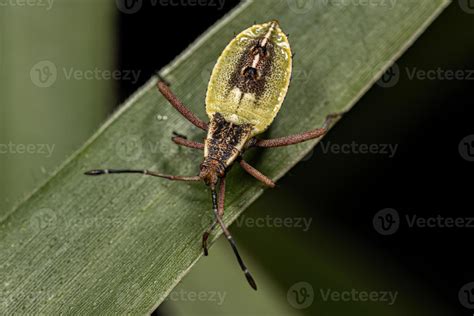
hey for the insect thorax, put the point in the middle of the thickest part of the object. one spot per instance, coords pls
(251, 77)
(224, 143)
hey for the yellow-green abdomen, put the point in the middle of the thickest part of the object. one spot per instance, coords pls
(250, 79)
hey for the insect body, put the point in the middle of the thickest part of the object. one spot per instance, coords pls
(245, 92)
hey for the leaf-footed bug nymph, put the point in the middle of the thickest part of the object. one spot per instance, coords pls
(245, 92)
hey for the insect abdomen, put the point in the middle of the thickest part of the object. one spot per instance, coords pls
(251, 77)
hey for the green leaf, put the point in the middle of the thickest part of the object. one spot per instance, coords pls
(116, 244)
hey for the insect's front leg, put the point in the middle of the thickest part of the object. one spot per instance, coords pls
(166, 91)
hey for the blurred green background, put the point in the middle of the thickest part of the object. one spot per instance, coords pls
(53, 112)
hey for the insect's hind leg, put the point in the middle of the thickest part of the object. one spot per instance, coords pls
(220, 211)
(297, 138)
(165, 90)
(256, 174)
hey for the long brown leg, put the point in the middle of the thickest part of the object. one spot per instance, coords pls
(296, 138)
(99, 172)
(187, 143)
(231, 241)
(256, 174)
(220, 208)
(178, 105)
